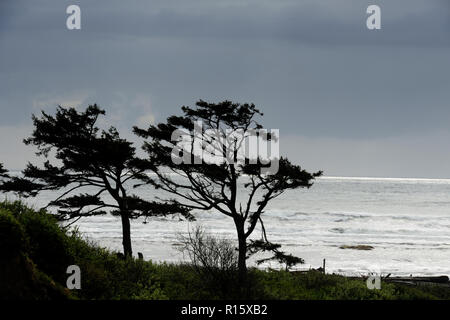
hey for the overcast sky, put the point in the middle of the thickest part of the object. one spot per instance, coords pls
(347, 100)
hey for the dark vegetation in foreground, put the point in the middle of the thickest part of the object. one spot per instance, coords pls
(36, 252)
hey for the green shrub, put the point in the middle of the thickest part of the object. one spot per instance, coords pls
(48, 245)
(19, 276)
(214, 259)
(13, 238)
(52, 249)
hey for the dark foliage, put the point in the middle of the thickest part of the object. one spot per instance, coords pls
(3, 172)
(282, 257)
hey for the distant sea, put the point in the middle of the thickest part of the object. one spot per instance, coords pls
(406, 221)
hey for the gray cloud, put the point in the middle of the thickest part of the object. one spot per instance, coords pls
(311, 66)
(412, 22)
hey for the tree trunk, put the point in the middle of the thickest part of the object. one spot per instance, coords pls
(126, 235)
(242, 258)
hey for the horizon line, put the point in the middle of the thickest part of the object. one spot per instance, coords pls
(349, 177)
(379, 178)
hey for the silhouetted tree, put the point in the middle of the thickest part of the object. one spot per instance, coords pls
(3, 172)
(215, 185)
(98, 162)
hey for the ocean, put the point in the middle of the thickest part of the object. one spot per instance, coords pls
(406, 221)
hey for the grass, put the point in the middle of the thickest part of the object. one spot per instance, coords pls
(36, 253)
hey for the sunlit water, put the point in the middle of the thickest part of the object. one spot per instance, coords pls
(407, 221)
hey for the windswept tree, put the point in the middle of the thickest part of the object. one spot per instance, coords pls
(84, 164)
(211, 149)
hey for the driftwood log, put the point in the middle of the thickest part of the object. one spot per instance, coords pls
(439, 280)
(415, 281)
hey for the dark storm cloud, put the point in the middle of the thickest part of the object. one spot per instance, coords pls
(412, 22)
(311, 66)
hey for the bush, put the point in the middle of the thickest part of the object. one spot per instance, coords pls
(12, 236)
(214, 259)
(52, 249)
(49, 245)
(19, 276)
(208, 253)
